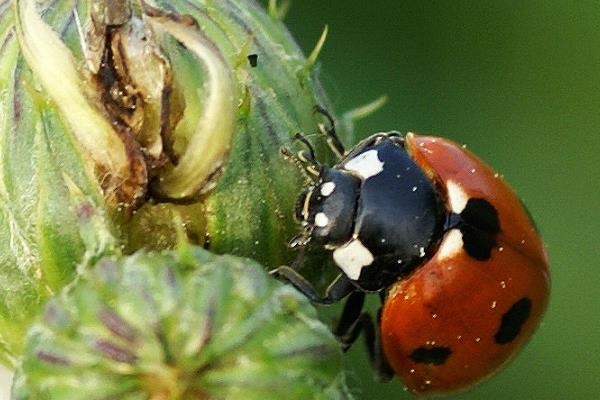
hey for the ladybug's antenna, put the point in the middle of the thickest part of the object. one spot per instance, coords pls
(305, 160)
(309, 168)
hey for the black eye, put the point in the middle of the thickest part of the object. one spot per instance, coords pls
(300, 204)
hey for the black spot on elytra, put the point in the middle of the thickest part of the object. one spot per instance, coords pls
(436, 355)
(253, 60)
(479, 227)
(513, 320)
(477, 243)
(480, 214)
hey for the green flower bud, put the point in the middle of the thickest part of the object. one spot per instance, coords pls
(155, 112)
(185, 325)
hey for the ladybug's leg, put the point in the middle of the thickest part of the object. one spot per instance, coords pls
(347, 329)
(309, 157)
(339, 288)
(352, 322)
(334, 142)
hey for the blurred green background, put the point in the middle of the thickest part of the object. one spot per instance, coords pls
(519, 82)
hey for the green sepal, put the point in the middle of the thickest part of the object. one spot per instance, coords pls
(40, 245)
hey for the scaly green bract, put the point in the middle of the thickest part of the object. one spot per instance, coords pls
(179, 326)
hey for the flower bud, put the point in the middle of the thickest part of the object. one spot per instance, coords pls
(155, 113)
(185, 325)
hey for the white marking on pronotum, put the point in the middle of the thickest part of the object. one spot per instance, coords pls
(327, 188)
(451, 246)
(321, 220)
(457, 196)
(352, 257)
(366, 164)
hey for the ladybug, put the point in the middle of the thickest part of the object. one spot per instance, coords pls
(453, 253)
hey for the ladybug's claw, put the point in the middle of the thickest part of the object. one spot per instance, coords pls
(299, 241)
(340, 288)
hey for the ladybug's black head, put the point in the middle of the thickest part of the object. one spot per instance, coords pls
(327, 209)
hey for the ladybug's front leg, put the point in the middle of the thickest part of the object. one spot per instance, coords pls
(349, 327)
(337, 290)
(334, 142)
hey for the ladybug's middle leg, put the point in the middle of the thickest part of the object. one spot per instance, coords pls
(348, 327)
(354, 321)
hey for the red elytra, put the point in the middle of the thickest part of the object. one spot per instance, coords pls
(474, 314)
